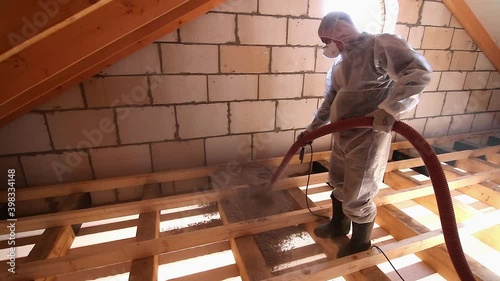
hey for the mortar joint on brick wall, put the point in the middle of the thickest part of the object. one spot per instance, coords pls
(46, 123)
(236, 29)
(117, 129)
(228, 118)
(18, 158)
(177, 126)
(150, 93)
(84, 97)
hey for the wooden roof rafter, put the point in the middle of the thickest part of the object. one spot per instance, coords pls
(77, 48)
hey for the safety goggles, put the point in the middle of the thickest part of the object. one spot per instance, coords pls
(326, 40)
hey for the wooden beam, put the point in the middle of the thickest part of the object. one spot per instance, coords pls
(124, 209)
(22, 20)
(330, 249)
(445, 157)
(136, 250)
(443, 140)
(388, 196)
(356, 262)
(346, 265)
(54, 242)
(401, 226)
(124, 267)
(182, 174)
(114, 29)
(148, 227)
(475, 29)
(131, 223)
(42, 192)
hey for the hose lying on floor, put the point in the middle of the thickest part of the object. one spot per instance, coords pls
(438, 179)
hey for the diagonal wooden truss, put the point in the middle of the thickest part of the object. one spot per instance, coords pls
(52, 258)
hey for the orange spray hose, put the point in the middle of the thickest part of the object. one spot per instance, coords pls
(438, 179)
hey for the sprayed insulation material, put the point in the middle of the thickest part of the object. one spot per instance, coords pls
(256, 200)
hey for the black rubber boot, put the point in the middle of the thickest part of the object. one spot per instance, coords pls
(339, 225)
(360, 240)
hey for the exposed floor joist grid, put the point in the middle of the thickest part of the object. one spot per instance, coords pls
(208, 234)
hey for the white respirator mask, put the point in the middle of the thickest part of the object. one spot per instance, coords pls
(330, 50)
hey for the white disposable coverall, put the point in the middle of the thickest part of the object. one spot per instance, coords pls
(375, 72)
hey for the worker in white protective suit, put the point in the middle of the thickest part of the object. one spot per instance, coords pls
(378, 76)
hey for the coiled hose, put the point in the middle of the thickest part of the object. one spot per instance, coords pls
(438, 179)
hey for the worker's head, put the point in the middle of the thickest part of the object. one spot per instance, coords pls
(335, 30)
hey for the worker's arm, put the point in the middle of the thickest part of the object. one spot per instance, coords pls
(322, 115)
(408, 68)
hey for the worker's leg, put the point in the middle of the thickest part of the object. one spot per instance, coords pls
(339, 224)
(365, 167)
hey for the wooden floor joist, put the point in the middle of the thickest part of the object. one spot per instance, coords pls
(144, 254)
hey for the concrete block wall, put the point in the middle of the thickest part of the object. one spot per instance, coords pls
(236, 84)
(464, 95)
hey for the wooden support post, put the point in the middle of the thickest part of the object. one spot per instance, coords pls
(148, 227)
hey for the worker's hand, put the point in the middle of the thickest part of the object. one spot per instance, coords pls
(302, 134)
(382, 121)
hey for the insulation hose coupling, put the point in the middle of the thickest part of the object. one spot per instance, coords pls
(438, 179)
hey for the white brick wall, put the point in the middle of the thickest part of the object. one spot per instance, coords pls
(479, 101)
(463, 60)
(452, 81)
(229, 148)
(147, 124)
(145, 60)
(254, 30)
(276, 86)
(476, 80)
(179, 89)
(210, 28)
(70, 99)
(249, 117)
(430, 104)
(303, 32)
(409, 10)
(204, 120)
(13, 138)
(252, 59)
(461, 124)
(462, 41)
(294, 114)
(436, 14)
(292, 59)
(437, 38)
(232, 87)
(437, 127)
(455, 103)
(279, 7)
(178, 155)
(179, 58)
(273, 144)
(314, 85)
(439, 60)
(415, 36)
(238, 6)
